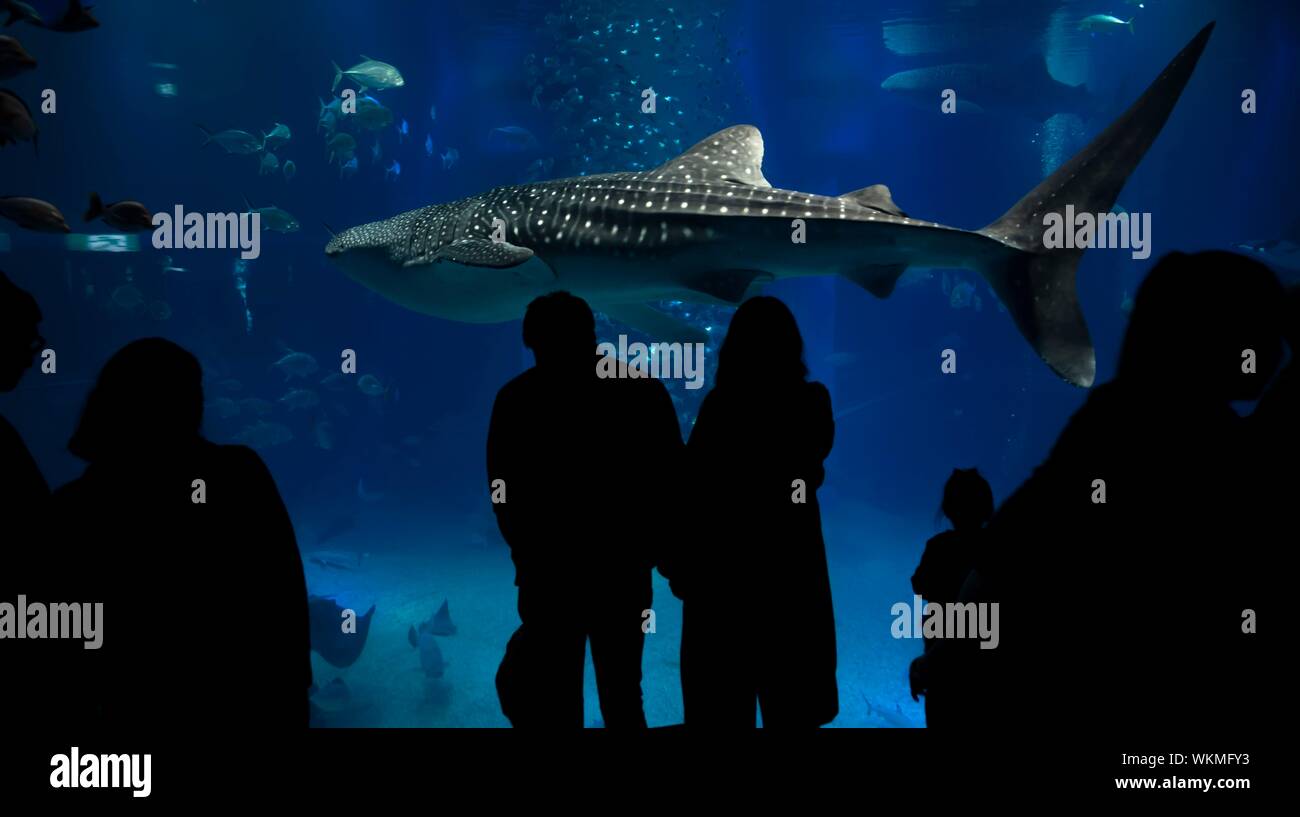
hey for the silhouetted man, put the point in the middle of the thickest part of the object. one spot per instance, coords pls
(580, 467)
(24, 497)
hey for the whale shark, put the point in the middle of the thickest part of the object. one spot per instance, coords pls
(1027, 88)
(707, 227)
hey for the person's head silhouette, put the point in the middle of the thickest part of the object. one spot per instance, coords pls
(560, 330)
(967, 499)
(19, 340)
(1207, 326)
(763, 346)
(148, 401)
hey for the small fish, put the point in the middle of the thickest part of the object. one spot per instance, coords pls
(19, 11)
(289, 169)
(270, 164)
(277, 138)
(1104, 23)
(337, 527)
(403, 131)
(324, 433)
(962, 295)
(33, 214)
(376, 153)
(372, 115)
(367, 496)
(512, 138)
(16, 123)
(369, 75)
(14, 59)
(335, 381)
(75, 17)
(296, 364)
(370, 385)
(127, 297)
(337, 559)
(539, 169)
(394, 170)
(449, 158)
(1126, 302)
(159, 310)
(428, 146)
(300, 399)
(275, 219)
(329, 114)
(433, 112)
(125, 216)
(237, 142)
(223, 407)
(893, 719)
(264, 435)
(256, 406)
(348, 169)
(342, 146)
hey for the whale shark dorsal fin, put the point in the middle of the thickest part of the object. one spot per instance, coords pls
(731, 156)
(876, 197)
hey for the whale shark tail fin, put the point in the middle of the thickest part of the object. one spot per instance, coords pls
(1037, 283)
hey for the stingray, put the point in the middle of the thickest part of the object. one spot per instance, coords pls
(431, 660)
(337, 647)
(439, 624)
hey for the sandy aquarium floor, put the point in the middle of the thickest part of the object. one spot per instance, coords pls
(417, 569)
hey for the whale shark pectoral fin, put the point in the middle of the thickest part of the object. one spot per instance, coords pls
(876, 197)
(729, 285)
(731, 156)
(477, 252)
(529, 270)
(878, 279)
(660, 326)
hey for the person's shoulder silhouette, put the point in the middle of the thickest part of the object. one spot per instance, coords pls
(1137, 501)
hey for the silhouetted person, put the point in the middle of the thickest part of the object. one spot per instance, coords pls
(945, 565)
(205, 603)
(24, 497)
(1127, 612)
(758, 629)
(587, 464)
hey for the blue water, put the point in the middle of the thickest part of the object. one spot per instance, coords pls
(404, 471)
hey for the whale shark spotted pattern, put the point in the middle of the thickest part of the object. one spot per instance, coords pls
(707, 227)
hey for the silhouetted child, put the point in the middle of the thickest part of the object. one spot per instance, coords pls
(949, 556)
(945, 567)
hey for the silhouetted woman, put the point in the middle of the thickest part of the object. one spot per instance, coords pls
(190, 549)
(946, 562)
(758, 627)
